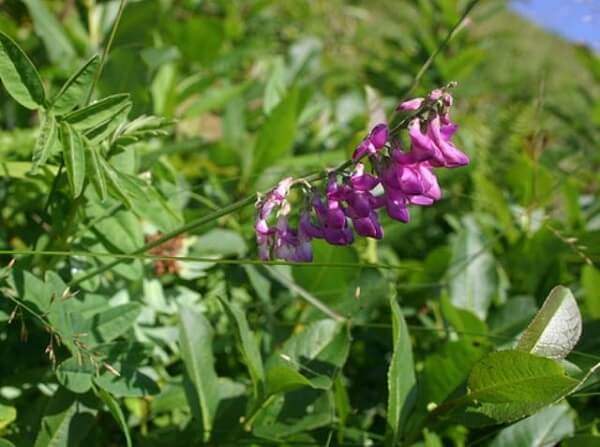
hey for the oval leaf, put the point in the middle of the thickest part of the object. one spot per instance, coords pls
(19, 75)
(556, 328)
(76, 374)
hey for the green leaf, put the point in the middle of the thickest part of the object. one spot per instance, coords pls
(6, 443)
(282, 379)
(112, 323)
(317, 353)
(590, 281)
(195, 340)
(276, 86)
(66, 421)
(277, 134)
(511, 318)
(556, 328)
(215, 98)
(19, 75)
(125, 357)
(74, 150)
(76, 374)
(117, 413)
(45, 142)
(95, 172)
(248, 346)
(464, 321)
(74, 91)
(401, 377)
(98, 113)
(51, 32)
(8, 415)
(474, 280)
(548, 427)
(509, 385)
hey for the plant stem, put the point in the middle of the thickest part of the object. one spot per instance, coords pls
(440, 47)
(106, 50)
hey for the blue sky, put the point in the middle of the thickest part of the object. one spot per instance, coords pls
(577, 20)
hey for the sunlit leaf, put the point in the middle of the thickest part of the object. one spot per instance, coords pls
(556, 328)
(19, 76)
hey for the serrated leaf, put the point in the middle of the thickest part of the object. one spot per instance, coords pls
(98, 112)
(45, 142)
(73, 92)
(195, 341)
(556, 328)
(248, 346)
(401, 377)
(545, 428)
(66, 421)
(19, 76)
(74, 156)
(117, 413)
(76, 374)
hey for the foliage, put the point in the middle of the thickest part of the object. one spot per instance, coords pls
(133, 310)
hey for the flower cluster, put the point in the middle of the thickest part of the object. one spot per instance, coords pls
(353, 197)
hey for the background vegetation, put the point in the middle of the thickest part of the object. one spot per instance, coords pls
(222, 350)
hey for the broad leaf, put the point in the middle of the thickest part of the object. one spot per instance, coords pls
(281, 378)
(19, 75)
(195, 340)
(112, 323)
(548, 427)
(509, 385)
(401, 376)
(556, 328)
(76, 374)
(45, 142)
(74, 150)
(98, 112)
(248, 346)
(75, 89)
(66, 421)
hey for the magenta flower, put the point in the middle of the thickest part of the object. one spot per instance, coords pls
(374, 142)
(406, 177)
(435, 144)
(290, 244)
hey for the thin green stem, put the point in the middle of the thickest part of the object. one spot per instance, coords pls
(106, 50)
(150, 257)
(442, 46)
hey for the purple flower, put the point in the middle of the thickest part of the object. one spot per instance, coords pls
(333, 224)
(410, 105)
(290, 244)
(374, 141)
(434, 145)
